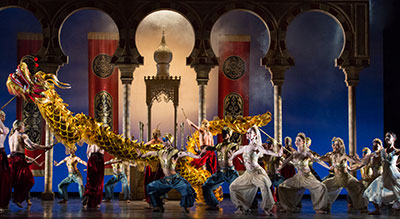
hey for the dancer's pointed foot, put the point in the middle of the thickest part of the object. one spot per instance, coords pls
(320, 212)
(185, 210)
(62, 201)
(268, 213)
(18, 204)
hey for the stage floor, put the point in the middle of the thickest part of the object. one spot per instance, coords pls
(136, 209)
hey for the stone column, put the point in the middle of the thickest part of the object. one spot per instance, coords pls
(352, 79)
(48, 193)
(126, 79)
(277, 79)
(202, 77)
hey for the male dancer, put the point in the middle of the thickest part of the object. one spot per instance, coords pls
(95, 177)
(5, 172)
(118, 175)
(152, 174)
(206, 140)
(226, 171)
(74, 176)
(21, 176)
(168, 158)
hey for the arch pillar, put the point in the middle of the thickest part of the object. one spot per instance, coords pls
(277, 78)
(202, 77)
(351, 79)
(126, 79)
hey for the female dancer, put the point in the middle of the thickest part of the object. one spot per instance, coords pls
(289, 195)
(342, 178)
(386, 188)
(244, 189)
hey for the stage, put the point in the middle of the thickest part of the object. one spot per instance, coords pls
(136, 209)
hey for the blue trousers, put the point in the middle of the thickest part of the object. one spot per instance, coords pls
(216, 180)
(71, 178)
(160, 187)
(109, 186)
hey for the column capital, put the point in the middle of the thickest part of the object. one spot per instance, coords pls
(352, 75)
(49, 67)
(277, 74)
(127, 72)
(202, 73)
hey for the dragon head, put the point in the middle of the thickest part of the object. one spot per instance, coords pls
(30, 82)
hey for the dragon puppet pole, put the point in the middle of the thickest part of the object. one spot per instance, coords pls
(262, 131)
(8, 103)
(184, 114)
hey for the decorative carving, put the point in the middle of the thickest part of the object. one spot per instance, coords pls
(101, 66)
(33, 121)
(103, 112)
(233, 106)
(234, 67)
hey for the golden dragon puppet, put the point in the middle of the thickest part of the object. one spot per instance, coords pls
(31, 83)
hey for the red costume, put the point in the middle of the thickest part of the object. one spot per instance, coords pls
(209, 159)
(149, 177)
(21, 177)
(94, 180)
(5, 180)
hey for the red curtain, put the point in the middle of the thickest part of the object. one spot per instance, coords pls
(28, 44)
(233, 79)
(103, 82)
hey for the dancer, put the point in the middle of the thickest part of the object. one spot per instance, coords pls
(226, 171)
(315, 154)
(386, 188)
(95, 177)
(288, 170)
(371, 163)
(74, 176)
(243, 190)
(21, 176)
(343, 179)
(119, 167)
(290, 191)
(168, 158)
(5, 172)
(206, 140)
(152, 174)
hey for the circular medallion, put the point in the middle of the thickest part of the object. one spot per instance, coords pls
(234, 67)
(101, 66)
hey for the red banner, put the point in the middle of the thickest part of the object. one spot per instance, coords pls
(233, 81)
(28, 44)
(103, 82)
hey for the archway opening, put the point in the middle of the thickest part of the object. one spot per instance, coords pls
(179, 36)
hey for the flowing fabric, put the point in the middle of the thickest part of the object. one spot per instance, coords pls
(244, 189)
(158, 188)
(227, 175)
(5, 180)
(150, 176)
(354, 189)
(95, 180)
(209, 159)
(292, 189)
(385, 188)
(21, 177)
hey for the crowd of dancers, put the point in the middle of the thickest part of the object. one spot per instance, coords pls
(269, 167)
